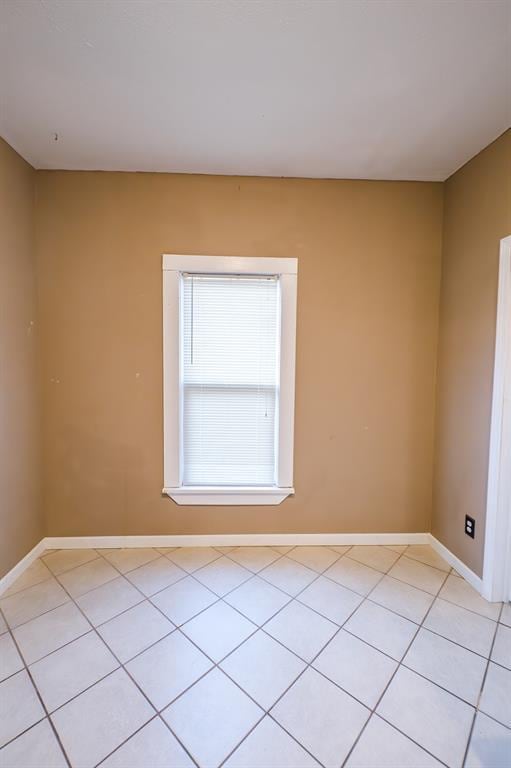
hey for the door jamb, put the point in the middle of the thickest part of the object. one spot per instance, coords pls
(497, 544)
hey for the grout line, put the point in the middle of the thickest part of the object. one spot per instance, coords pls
(483, 681)
(41, 700)
(214, 663)
(309, 665)
(258, 573)
(398, 667)
(475, 613)
(267, 712)
(38, 615)
(257, 627)
(426, 565)
(155, 717)
(429, 594)
(71, 568)
(121, 665)
(454, 642)
(430, 565)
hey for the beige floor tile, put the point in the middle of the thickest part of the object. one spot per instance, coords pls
(70, 670)
(400, 548)
(50, 631)
(34, 574)
(88, 576)
(257, 600)
(379, 558)
(496, 696)
(449, 665)
(418, 575)
(316, 558)
(427, 555)
(461, 626)
(321, 717)
(332, 600)
(270, 746)
(382, 628)
(211, 718)
(218, 630)
(301, 630)
(358, 668)
(381, 746)
(442, 669)
(166, 669)
(505, 617)
(341, 550)
(155, 576)
(411, 603)
(457, 591)
(223, 575)
(443, 724)
(108, 600)
(263, 668)
(254, 558)
(153, 746)
(36, 748)
(192, 558)
(490, 745)
(19, 706)
(135, 630)
(65, 559)
(130, 558)
(100, 719)
(10, 660)
(356, 576)
(501, 653)
(183, 600)
(288, 575)
(33, 601)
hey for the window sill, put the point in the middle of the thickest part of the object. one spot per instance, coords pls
(221, 495)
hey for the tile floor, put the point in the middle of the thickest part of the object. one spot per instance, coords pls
(252, 657)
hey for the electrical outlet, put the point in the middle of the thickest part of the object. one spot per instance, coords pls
(470, 526)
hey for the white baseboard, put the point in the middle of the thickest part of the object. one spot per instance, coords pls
(235, 540)
(472, 578)
(15, 572)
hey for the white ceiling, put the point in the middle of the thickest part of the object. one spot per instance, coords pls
(386, 89)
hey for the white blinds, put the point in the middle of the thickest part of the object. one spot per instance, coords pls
(230, 362)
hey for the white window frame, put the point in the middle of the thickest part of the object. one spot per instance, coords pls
(287, 270)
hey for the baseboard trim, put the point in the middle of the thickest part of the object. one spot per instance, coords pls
(472, 578)
(235, 540)
(17, 570)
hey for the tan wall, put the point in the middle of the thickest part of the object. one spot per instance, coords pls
(369, 270)
(21, 525)
(477, 215)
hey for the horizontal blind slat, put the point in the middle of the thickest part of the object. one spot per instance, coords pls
(230, 328)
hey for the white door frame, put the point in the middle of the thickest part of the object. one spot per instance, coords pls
(497, 544)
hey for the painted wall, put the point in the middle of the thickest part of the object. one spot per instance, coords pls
(369, 279)
(477, 215)
(21, 522)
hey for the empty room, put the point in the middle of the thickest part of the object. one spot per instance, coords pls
(255, 383)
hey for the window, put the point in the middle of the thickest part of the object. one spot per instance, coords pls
(229, 358)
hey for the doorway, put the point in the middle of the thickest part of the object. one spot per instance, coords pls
(497, 548)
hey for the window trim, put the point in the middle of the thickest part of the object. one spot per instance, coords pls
(287, 270)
